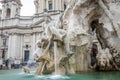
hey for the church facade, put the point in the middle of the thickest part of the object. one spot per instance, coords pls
(18, 34)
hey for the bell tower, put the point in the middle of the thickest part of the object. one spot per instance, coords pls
(10, 8)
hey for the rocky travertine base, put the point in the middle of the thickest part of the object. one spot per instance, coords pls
(85, 35)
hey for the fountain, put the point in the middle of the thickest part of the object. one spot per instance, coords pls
(83, 42)
(83, 39)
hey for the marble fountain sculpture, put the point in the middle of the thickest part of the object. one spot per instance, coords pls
(85, 37)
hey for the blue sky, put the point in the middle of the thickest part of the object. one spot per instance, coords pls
(28, 8)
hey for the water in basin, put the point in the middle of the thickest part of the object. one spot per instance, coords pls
(19, 75)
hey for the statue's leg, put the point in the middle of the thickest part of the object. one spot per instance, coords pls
(40, 68)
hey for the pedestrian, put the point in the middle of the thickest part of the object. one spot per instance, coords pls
(7, 63)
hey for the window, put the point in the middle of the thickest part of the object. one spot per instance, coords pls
(50, 5)
(65, 6)
(8, 13)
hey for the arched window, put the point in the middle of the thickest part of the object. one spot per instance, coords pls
(8, 13)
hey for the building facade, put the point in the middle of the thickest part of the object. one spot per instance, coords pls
(18, 34)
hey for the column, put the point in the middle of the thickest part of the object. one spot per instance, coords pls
(62, 5)
(47, 5)
(13, 46)
(56, 4)
(14, 43)
(33, 42)
(18, 46)
(9, 46)
(0, 47)
(53, 2)
(41, 6)
(13, 10)
(22, 43)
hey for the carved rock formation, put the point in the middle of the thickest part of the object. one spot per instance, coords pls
(83, 23)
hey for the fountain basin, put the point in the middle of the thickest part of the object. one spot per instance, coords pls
(20, 75)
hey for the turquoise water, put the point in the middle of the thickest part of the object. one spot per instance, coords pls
(19, 75)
